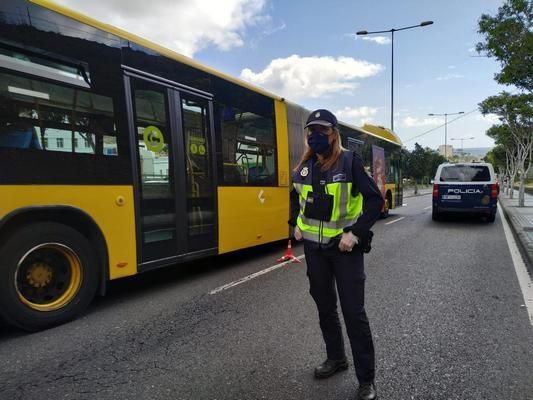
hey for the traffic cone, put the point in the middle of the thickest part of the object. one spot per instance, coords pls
(288, 256)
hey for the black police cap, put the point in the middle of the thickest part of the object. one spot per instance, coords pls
(321, 117)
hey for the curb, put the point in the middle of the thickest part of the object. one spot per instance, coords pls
(518, 235)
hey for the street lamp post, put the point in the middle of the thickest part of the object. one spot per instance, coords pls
(446, 128)
(462, 140)
(391, 31)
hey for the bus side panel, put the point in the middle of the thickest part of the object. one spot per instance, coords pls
(111, 207)
(282, 143)
(250, 216)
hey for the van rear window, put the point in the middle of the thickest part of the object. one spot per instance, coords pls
(465, 173)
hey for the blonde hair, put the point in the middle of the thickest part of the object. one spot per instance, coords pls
(333, 156)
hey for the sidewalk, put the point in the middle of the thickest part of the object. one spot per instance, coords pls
(521, 221)
(410, 192)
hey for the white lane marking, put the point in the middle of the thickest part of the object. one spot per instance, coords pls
(520, 267)
(427, 208)
(404, 204)
(252, 276)
(396, 220)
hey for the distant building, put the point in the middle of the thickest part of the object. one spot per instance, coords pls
(446, 151)
(470, 154)
(477, 151)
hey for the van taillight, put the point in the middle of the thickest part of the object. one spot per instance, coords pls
(494, 190)
(435, 191)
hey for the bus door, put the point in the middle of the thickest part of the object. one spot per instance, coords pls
(175, 187)
(197, 165)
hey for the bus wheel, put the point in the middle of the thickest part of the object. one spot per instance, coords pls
(386, 206)
(48, 275)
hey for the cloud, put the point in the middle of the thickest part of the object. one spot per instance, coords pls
(377, 39)
(295, 76)
(186, 26)
(411, 122)
(447, 77)
(357, 115)
(273, 29)
(451, 67)
(269, 30)
(490, 118)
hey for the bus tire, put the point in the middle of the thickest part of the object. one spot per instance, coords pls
(387, 205)
(48, 275)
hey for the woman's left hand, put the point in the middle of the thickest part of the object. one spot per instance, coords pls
(348, 241)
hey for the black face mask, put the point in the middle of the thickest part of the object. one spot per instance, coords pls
(318, 142)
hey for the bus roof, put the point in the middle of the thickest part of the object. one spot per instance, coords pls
(49, 4)
(382, 132)
(377, 131)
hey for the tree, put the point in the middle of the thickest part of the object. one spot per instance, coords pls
(421, 163)
(508, 37)
(434, 159)
(503, 139)
(515, 133)
(415, 163)
(497, 157)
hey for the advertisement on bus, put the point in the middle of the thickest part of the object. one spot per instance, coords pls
(378, 167)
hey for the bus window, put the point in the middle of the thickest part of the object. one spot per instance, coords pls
(35, 115)
(248, 148)
(19, 136)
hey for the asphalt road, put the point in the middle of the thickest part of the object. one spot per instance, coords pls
(443, 299)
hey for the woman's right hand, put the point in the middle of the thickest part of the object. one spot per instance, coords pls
(298, 234)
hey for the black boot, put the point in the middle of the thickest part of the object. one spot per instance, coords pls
(367, 391)
(329, 367)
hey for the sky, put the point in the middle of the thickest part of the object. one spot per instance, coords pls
(308, 53)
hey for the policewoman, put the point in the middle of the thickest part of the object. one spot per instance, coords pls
(334, 203)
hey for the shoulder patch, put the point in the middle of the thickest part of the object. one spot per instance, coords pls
(304, 172)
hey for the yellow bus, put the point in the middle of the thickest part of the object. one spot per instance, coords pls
(118, 156)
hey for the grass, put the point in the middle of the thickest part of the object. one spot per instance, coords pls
(528, 185)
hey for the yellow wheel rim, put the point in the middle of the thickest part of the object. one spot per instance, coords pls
(48, 277)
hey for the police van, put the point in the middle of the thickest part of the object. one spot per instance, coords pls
(465, 188)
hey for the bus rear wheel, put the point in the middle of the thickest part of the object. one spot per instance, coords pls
(386, 205)
(48, 275)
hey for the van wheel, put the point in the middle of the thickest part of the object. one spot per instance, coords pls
(491, 217)
(48, 275)
(435, 216)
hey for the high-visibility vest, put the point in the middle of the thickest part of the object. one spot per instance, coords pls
(346, 208)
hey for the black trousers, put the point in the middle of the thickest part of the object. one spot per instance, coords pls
(327, 268)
